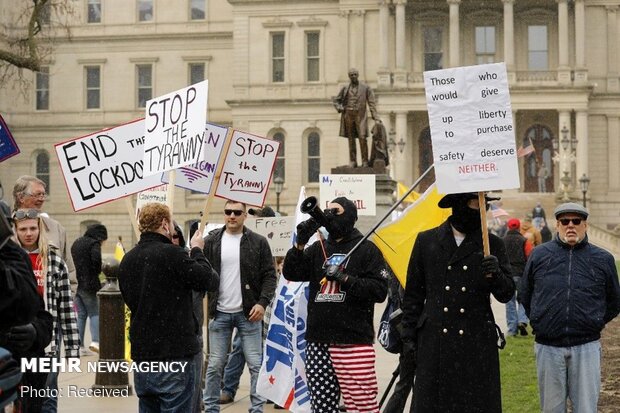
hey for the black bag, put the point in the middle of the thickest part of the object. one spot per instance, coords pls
(389, 328)
(10, 376)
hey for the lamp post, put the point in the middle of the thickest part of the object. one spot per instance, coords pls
(584, 182)
(565, 154)
(278, 183)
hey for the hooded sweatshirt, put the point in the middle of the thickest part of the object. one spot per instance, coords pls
(86, 253)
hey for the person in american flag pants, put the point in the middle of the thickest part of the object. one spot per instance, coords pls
(53, 285)
(340, 357)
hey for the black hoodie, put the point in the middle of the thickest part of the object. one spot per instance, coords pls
(340, 314)
(86, 253)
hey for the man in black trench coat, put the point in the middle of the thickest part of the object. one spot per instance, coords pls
(448, 325)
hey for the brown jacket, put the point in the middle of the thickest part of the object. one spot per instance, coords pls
(531, 233)
(365, 97)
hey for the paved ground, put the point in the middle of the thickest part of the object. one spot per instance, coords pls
(386, 363)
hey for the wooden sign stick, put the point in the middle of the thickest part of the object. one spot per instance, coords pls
(483, 221)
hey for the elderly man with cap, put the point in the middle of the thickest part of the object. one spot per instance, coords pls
(570, 291)
(518, 248)
(339, 354)
(448, 326)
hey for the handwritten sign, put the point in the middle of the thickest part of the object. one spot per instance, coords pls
(175, 129)
(277, 230)
(358, 188)
(8, 147)
(105, 165)
(198, 177)
(247, 168)
(158, 194)
(471, 128)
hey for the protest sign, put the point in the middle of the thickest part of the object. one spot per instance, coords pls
(358, 188)
(277, 230)
(157, 194)
(105, 165)
(471, 128)
(8, 147)
(175, 129)
(247, 169)
(198, 177)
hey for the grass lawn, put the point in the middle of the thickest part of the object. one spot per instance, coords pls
(518, 373)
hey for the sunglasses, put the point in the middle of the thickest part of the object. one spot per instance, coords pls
(25, 214)
(175, 236)
(575, 221)
(237, 212)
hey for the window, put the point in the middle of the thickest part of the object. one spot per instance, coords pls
(433, 56)
(145, 10)
(485, 44)
(197, 10)
(196, 72)
(43, 89)
(277, 57)
(314, 157)
(42, 169)
(94, 11)
(537, 47)
(312, 56)
(93, 87)
(145, 84)
(279, 170)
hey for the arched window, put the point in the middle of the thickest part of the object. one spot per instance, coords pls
(425, 159)
(42, 169)
(314, 157)
(85, 224)
(280, 161)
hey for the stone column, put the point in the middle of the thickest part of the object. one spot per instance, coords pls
(563, 67)
(454, 60)
(613, 152)
(383, 75)
(400, 74)
(402, 162)
(581, 73)
(509, 40)
(612, 55)
(581, 133)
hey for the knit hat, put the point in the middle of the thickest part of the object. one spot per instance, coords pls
(514, 223)
(97, 231)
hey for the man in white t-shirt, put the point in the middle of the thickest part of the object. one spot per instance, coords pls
(247, 284)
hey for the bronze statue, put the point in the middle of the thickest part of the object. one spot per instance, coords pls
(351, 102)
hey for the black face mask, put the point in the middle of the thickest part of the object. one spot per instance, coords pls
(465, 219)
(339, 226)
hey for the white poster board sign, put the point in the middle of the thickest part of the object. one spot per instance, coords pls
(175, 129)
(277, 230)
(105, 165)
(157, 194)
(198, 177)
(358, 188)
(247, 169)
(471, 129)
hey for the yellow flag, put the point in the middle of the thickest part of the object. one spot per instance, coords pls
(402, 190)
(119, 251)
(395, 239)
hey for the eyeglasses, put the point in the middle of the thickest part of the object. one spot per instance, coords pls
(237, 212)
(40, 195)
(575, 221)
(25, 214)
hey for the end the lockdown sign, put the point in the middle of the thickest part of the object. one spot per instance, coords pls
(471, 128)
(175, 129)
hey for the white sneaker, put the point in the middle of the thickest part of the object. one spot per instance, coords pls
(85, 352)
(94, 346)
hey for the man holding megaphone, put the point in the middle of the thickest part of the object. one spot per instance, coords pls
(343, 293)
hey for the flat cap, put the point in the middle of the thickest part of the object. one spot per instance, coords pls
(571, 207)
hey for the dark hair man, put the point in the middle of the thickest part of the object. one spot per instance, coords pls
(448, 324)
(570, 291)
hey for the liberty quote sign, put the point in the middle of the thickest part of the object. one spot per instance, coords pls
(471, 129)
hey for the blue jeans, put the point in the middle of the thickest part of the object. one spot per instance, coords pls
(515, 313)
(198, 364)
(166, 391)
(234, 368)
(569, 372)
(50, 405)
(220, 335)
(88, 306)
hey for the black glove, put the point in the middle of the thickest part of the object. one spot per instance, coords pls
(334, 273)
(21, 338)
(410, 355)
(490, 265)
(305, 230)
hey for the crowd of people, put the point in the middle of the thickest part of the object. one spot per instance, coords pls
(561, 287)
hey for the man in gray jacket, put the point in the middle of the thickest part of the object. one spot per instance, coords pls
(569, 291)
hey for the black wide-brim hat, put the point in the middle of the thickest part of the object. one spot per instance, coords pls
(450, 200)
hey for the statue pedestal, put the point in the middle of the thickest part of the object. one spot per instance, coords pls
(384, 188)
